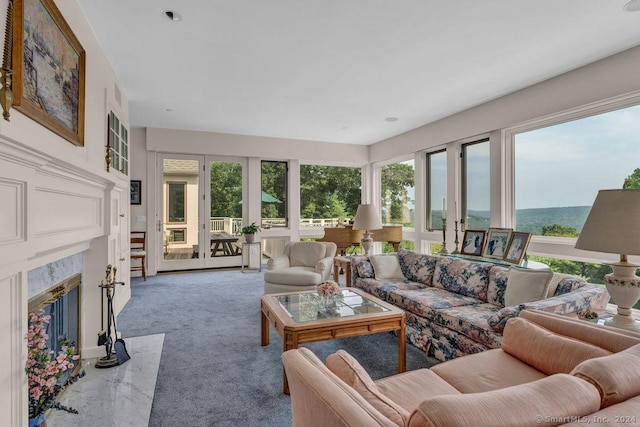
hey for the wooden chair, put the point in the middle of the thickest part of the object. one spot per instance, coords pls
(139, 251)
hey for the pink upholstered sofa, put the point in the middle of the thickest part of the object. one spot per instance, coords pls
(550, 370)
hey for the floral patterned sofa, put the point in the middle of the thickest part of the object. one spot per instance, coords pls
(456, 306)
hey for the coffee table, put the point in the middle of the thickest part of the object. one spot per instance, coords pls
(302, 317)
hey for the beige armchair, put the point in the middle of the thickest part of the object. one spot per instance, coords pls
(301, 267)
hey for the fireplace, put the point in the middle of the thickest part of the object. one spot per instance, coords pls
(62, 302)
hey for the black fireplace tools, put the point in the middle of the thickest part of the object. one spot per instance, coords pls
(116, 350)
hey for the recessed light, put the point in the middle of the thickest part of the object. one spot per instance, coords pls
(345, 127)
(169, 109)
(632, 6)
(391, 119)
(172, 15)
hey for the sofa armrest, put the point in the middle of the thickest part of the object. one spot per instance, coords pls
(324, 267)
(278, 262)
(588, 296)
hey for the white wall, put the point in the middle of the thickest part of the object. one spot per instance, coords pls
(57, 200)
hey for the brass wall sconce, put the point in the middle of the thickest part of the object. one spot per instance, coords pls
(6, 95)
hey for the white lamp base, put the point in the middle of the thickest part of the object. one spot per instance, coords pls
(624, 287)
(366, 242)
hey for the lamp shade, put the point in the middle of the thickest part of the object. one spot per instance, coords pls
(367, 218)
(613, 225)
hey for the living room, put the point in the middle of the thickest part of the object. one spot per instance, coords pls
(66, 208)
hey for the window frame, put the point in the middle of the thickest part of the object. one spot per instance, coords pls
(427, 166)
(463, 178)
(167, 210)
(286, 198)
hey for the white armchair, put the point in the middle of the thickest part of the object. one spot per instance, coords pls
(301, 267)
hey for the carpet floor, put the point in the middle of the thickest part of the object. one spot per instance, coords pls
(213, 371)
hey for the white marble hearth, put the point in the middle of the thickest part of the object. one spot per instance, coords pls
(118, 396)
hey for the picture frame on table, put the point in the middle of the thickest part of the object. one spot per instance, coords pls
(517, 247)
(497, 241)
(49, 69)
(473, 242)
(136, 192)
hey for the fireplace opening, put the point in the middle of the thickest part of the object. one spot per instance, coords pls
(62, 303)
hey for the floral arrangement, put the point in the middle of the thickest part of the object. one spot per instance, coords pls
(328, 289)
(47, 373)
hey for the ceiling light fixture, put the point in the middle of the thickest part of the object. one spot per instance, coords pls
(172, 15)
(391, 119)
(632, 6)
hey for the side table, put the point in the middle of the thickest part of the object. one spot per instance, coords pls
(251, 257)
(342, 262)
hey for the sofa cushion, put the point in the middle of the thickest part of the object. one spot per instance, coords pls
(518, 405)
(498, 276)
(544, 350)
(417, 267)
(302, 276)
(499, 319)
(617, 377)
(424, 302)
(555, 281)
(492, 370)
(623, 413)
(471, 321)
(382, 288)
(386, 267)
(349, 370)
(411, 388)
(462, 277)
(524, 285)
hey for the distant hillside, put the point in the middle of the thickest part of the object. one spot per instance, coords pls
(532, 220)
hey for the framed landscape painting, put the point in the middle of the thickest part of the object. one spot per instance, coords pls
(517, 247)
(473, 242)
(497, 240)
(49, 69)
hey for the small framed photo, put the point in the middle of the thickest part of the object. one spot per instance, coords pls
(136, 192)
(473, 242)
(517, 247)
(497, 240)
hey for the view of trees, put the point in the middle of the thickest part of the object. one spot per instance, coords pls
(329, 191)
(274, 184)
(396, 180)
(226, 189)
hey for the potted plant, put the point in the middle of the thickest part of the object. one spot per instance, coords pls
(249, 232)
(48, 373)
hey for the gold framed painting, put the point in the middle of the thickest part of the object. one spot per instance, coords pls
(517, 247)
(497, 240)
(49, 69)
(473, 242)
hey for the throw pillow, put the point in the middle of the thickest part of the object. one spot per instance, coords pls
(362, 266)
(616, 377)
(546, 351)
(386, 267)
(349, 370)
(524, 285)
(417, 267)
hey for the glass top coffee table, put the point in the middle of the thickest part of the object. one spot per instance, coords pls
(304, 317)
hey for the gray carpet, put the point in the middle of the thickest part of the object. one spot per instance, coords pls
(213, 371)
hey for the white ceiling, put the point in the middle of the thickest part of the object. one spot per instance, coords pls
(333, 70)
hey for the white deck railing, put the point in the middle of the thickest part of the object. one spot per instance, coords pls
(233, 225)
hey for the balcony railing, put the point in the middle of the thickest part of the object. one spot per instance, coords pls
(234, 225)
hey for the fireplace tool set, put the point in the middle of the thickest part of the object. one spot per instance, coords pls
(115, 347)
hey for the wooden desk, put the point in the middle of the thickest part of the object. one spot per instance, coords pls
(344, 263)
(224, 243)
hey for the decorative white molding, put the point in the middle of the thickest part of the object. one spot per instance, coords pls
(12, 211)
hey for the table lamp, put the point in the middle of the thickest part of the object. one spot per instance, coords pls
(367, 219)
(613, 226)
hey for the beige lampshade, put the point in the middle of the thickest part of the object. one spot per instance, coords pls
(613, 225)
(367, 218)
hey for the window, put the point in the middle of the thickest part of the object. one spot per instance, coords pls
(328, 194)
(118, 141)
(178, 235)
(398, 194)
(274, 194)
(225, 210)
(436, 188)
(559, 169)
(475, 206)
(176, 199)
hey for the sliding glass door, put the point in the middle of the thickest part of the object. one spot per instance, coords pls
(199, 212)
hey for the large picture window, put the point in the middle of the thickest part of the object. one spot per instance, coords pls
(275, 178)
(475, 186)
(328, 194)
(559, 169)
(398, 194)
(436, 188)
